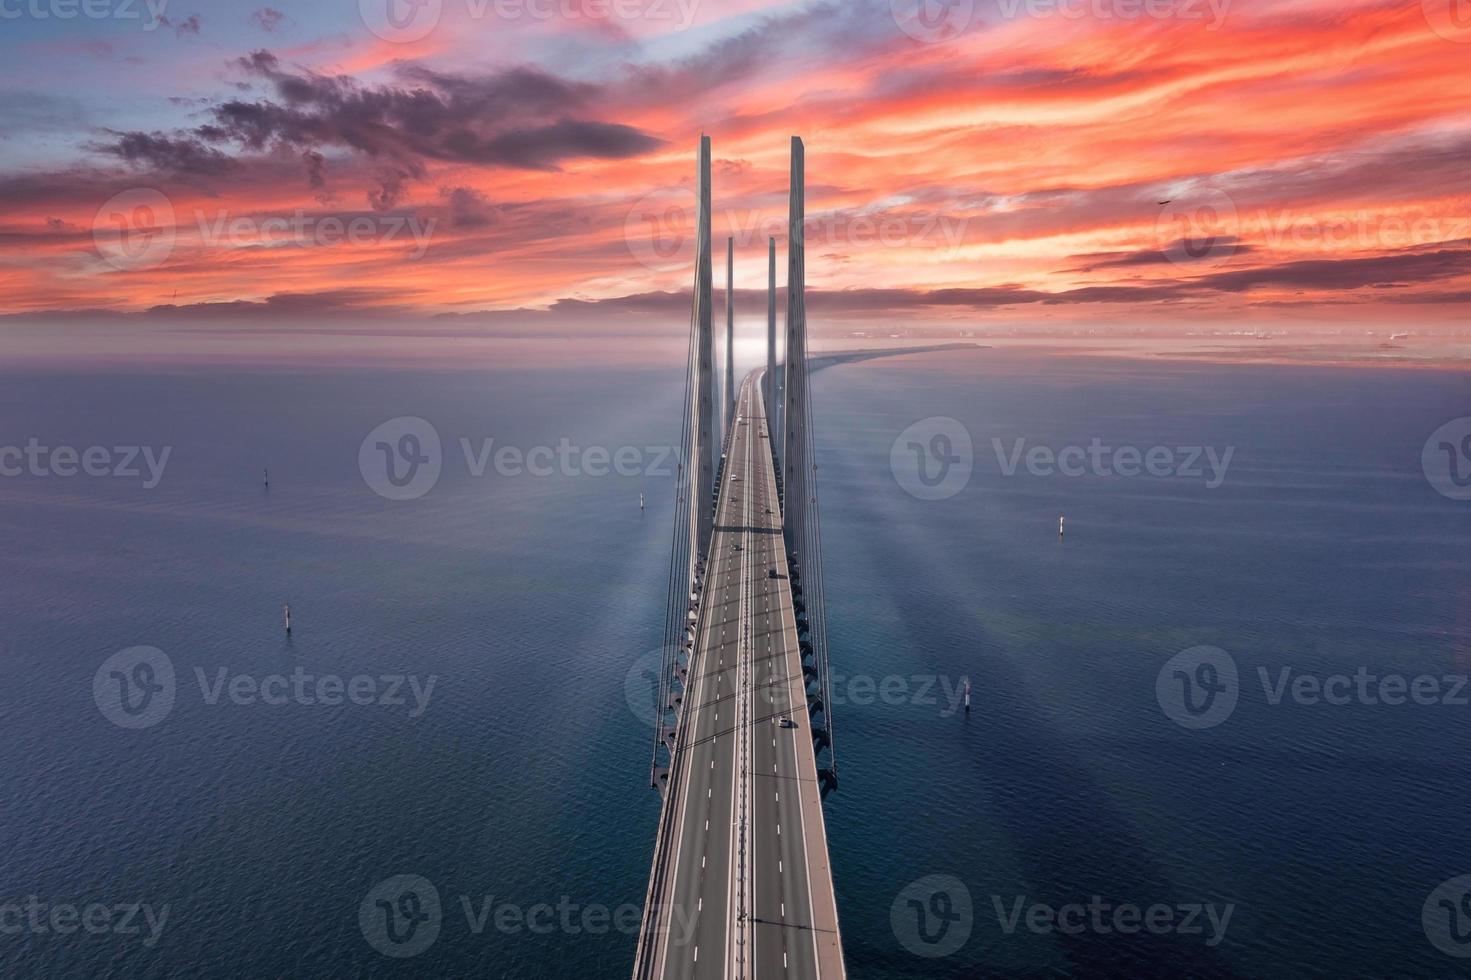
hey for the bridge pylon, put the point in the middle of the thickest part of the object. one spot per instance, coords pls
(801, 526)
(695, 491)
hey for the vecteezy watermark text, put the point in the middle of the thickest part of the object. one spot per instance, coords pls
(1101, 918)
(1211, 12)
(933, 916)
(150, 12)
(32, 916)
(139, 228)
(402, 459)
(1098, 459)
(407, 21)
(659, 229)
(122, 462)
(402, 916)
(137, 688)
(1200, 687)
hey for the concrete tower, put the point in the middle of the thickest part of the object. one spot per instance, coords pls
(705, 453)
(730, 396)
(794, 415)
(769, 394)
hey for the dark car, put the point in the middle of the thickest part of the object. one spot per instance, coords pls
(771, 573)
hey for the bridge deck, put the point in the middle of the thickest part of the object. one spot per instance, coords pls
(732, 755)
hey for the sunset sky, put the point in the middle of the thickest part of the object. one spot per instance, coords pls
(1007, 161)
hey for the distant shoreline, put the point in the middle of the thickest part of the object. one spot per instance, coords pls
(1451, 357)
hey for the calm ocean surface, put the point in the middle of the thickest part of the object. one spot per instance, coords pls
(529, 599)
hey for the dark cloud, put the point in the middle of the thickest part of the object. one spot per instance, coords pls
(167, 154)
(268, 19)
(316, 168)
(326, 302)
(540, 147)
(392, 189)
(496, 120)
(1398, 268)
(468, 207)
(1175, 253)
(189, 25)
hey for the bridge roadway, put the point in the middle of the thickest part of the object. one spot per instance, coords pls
(744, 677)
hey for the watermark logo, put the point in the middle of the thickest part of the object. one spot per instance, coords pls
(36, 917)
(401, 458)
(660, 228)
(407, 21)
(941, 692)
(401, 21)
(404, 915)
(308, 229)
(1359, 229)
(151, 12)
(641, 687)
(933, 458)
(1451, 19)
(134, 688)
(1446, 459)
(1102, 918)
(933, 21)
(120, 462)
(137, 688)
(139, 229)
(134, 230)
(1446, 917)
(1122, 11)
(400, 917)
(1098, 459)
(1197, 688)
(1198, 229)
(933, 916)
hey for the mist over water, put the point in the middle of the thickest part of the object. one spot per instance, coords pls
(530, 599)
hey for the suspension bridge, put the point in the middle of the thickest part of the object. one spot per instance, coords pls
(743, 755)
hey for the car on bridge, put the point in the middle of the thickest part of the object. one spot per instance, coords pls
(787, 723)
